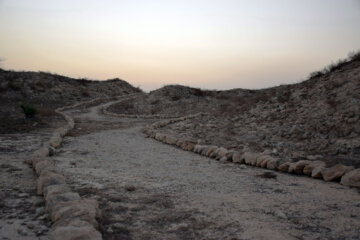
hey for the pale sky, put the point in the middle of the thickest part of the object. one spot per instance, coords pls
(212, 44)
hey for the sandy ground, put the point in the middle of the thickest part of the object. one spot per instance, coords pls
(148, 190)
(22, 212)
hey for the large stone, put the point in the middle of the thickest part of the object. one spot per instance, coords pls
(46, 164)
(52, 200)
(56, 189)
(316, 172)
(229, 155)
(214, 153)
(335, 172)
(249, 158)
(273, 163)
(264, 162)
(198, 148)
(48, 178)
(298, 167)
(352, 178)
(237, 158)
(170, 140)
(40, 153)
(203, 149)
(262, 158)
(75, 230)
(284, 167)
(180, 142)
(309, 167)
(188, 145)
(84, 209)
(62, 131)
(159, 136)
(209, 150)
(55, 140)
(35, 161)
(221, 152)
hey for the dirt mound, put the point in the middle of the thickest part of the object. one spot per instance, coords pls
(45, 92)
(314, 119)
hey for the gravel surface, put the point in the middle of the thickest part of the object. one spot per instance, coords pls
(22, 211)
(148, 190)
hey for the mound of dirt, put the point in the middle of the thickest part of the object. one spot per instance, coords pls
(318, 119)
(46, 92)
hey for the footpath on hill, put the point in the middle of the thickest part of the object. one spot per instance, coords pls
(149, 190)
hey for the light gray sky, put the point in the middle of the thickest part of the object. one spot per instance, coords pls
(213, 44)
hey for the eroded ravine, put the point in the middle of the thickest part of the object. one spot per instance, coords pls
(148, 190)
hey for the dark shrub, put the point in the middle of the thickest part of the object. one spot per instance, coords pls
(199, 93)
(354, 55)
(175, 98)
(28, 110)
(316, 74)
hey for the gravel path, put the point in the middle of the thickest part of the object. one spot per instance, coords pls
(148, 190)
(22, 211)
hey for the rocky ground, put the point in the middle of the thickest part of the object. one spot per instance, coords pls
(148, 190)
(46, 92)
(22, 211)
(318, 119)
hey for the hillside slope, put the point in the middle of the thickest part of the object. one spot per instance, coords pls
(314, 119)
(46, 92)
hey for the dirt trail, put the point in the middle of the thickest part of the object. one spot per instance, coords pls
(22, 211)
(148, 190)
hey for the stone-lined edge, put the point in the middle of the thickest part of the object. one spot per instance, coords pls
(72, 216)
(348, 175)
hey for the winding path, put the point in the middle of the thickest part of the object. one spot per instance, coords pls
(148, 190)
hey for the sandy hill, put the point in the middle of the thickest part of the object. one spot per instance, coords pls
(45, 92)
(316, 119)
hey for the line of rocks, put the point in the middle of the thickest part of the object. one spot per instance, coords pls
(72, 217)
(347, 175)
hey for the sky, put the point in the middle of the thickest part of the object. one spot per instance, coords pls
(212, 44)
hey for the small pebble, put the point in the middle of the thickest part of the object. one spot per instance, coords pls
(21, 232)
(130, 188)
(38, 202)
(23, 195)
(30, 225)
(42, 217)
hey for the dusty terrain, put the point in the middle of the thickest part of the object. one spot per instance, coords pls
(316, 120)
(148, 190)
(22, 211)
(46, 92)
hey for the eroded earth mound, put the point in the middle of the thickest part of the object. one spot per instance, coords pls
(317, 119)
(45, 92)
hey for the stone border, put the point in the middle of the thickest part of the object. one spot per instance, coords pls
(348, 175)
(72, 216)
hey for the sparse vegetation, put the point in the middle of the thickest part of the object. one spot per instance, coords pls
(316, 74)
(28, 110)
(352, 56)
